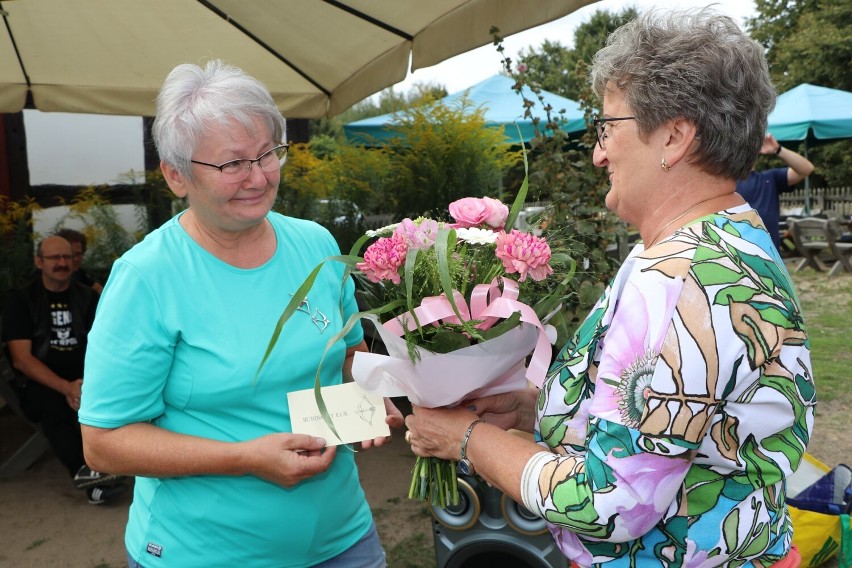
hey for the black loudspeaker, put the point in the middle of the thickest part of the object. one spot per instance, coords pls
(487, 529)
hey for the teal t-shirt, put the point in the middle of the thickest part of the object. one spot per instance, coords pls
(176, 342)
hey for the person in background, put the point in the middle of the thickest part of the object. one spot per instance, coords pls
(45, 330)
(762, 189)
(78, 246)
(667, 426)
(172, 392)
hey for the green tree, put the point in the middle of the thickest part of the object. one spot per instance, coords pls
(444, 153)
(352, 180)
(107, 237)
(16, 243)
(808, 41)
(553, 66)
(562, 174)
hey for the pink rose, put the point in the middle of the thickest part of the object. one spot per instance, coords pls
(498, 213)
(383, 258)
(473, 212)
(524, 253)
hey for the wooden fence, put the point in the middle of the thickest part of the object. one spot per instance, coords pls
(822, 199)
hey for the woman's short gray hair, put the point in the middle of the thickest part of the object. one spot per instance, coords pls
(697, 65)
(193, 99)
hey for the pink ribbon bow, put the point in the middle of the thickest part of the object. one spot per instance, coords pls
(488, 304)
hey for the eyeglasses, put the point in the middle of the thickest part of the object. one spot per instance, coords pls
(600, 128)
(56, 257)
(238, 170)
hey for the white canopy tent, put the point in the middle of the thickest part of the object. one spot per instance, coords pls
(318, 57)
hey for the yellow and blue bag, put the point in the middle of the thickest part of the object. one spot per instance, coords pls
(820, 499)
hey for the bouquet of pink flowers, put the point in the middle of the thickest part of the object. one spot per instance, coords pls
(460, 306)
(444, 286)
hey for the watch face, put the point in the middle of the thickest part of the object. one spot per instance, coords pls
(465, 467)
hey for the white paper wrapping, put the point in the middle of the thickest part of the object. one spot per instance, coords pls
(445, 379)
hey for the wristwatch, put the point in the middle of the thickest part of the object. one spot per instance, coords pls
(778, 151)
(465, 466)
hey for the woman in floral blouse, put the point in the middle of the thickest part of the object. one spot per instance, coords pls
(668, 425)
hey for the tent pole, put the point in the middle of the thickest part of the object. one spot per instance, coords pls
(807, 210)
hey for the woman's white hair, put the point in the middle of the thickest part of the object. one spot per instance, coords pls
(193, 99)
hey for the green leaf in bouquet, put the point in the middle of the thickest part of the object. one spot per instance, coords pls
(550, 303)
(413, 351)
(518, 204)
(289, 310)
(444, 246)
(502, 327)
(356, 248)
(446, 340)
(410, 263)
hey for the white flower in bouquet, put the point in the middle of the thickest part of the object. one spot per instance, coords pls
(477, 236)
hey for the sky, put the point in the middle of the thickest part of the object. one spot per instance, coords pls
(467, 69)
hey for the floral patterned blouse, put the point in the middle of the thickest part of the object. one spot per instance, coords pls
(675, 413)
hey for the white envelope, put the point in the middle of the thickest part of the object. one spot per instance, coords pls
(356, 415)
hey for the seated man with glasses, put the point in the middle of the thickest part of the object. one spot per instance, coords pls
(45, 329)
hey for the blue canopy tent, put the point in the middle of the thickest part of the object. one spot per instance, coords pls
(811, 114)
(503, 108)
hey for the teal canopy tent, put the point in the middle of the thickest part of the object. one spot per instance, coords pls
(503, 107)
(811, 114)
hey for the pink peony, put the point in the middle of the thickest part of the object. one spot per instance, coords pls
(383, 258)
(473, 211)
(419, 234)
(524, 253)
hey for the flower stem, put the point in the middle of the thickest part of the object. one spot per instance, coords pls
(434, 480)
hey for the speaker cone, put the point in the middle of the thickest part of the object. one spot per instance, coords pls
(464, 515)
(520, 518)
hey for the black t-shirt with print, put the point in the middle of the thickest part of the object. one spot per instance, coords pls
(66, 353)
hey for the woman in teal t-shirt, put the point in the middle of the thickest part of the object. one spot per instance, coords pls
(170, 393)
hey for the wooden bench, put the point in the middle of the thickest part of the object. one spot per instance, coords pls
(817, 241)
(841, 251)
(33, 447)
(809, 236)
